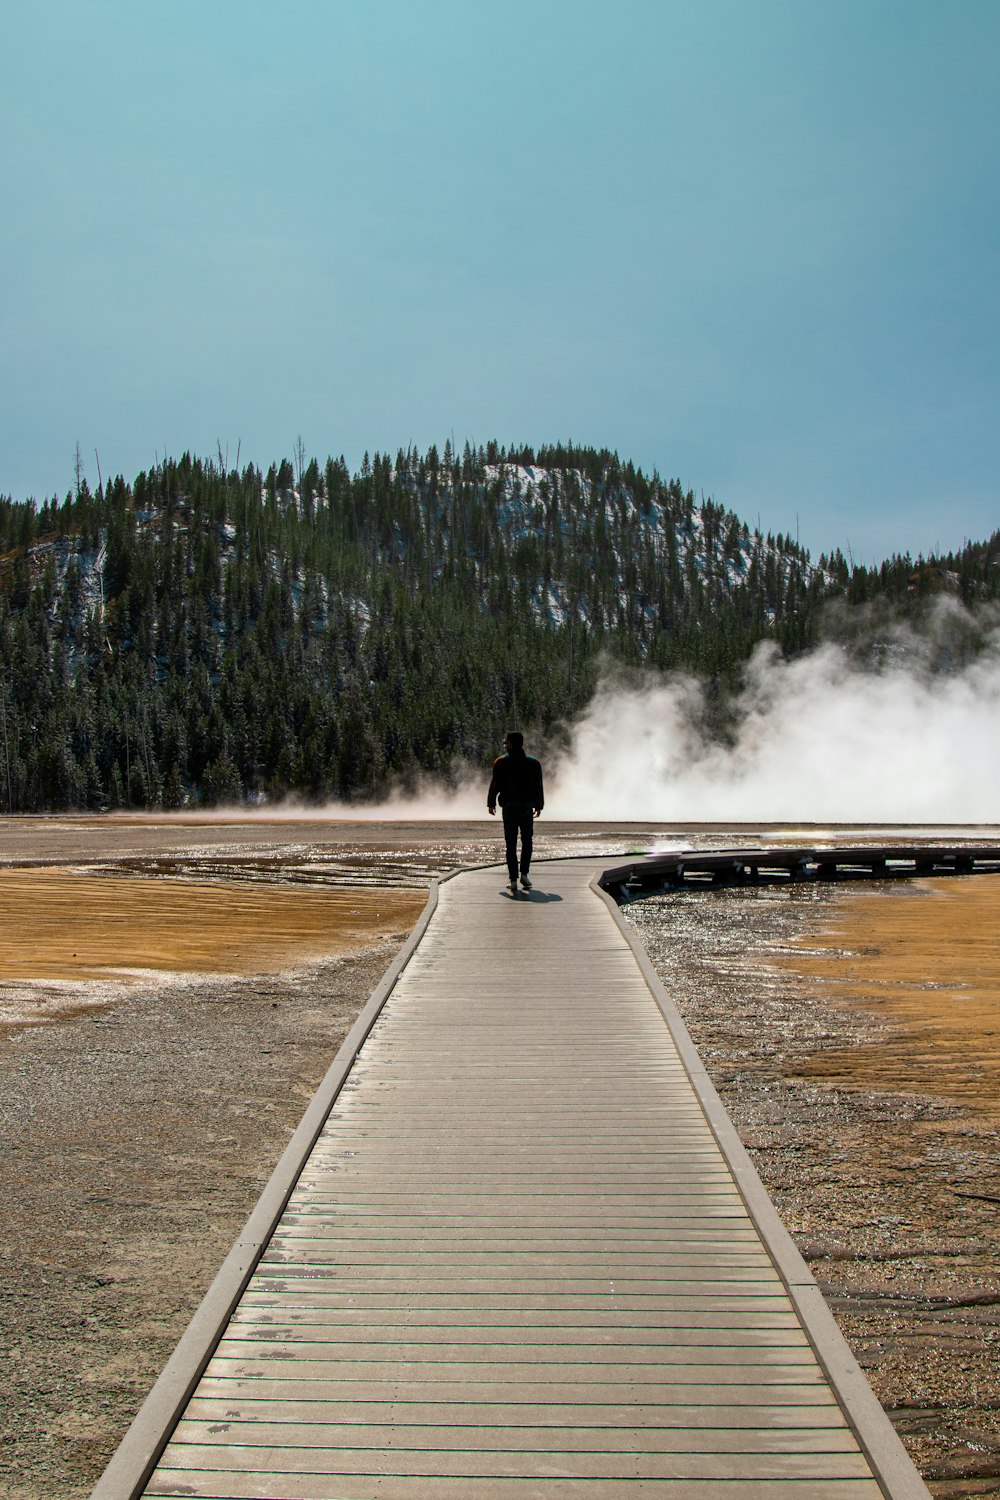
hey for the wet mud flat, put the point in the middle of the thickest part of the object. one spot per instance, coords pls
(853, 1035)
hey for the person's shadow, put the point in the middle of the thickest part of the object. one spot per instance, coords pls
(533, 895)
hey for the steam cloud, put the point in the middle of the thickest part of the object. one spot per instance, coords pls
(818, 739)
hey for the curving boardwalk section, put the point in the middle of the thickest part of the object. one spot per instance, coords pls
(518, 1263)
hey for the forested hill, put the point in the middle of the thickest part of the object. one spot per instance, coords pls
(204, 635)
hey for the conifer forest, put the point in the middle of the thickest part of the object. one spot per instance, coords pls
(205, 635)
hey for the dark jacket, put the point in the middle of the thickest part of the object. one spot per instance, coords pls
(517, 782)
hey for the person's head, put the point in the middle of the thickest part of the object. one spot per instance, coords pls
(514, 742)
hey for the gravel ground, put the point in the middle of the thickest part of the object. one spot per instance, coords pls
(891, 1196)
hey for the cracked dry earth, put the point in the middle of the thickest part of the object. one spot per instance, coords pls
(853, 1035)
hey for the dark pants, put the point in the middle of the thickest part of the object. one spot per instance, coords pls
(518, 820)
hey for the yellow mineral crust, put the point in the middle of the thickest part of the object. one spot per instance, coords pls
(56, 924)
(924, 961)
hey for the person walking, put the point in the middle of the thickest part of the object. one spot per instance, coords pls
(517, 785)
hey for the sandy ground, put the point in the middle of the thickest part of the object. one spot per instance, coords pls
(143, 1111)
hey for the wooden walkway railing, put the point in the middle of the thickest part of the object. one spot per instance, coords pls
(525, 1257)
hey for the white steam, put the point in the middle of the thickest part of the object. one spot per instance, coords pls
(817, 739)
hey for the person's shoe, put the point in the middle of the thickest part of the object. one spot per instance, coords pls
(513, 887)
(525, 883)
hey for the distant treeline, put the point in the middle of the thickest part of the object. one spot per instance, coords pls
(203, 635)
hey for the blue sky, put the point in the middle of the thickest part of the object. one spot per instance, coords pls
(750, 243)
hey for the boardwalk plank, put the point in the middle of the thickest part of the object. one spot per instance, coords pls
(183, 1485)
(488, 1463)
(593, 1416)
(248, 1323)
(657, 1282)
(624, 1393)
(617, 1355)
(663, 1373)
(495, 1436)
(604, 1321)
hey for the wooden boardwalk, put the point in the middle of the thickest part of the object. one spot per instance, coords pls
(527, 1257)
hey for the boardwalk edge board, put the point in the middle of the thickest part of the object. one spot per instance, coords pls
(876, 1435)
(140, 1449)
